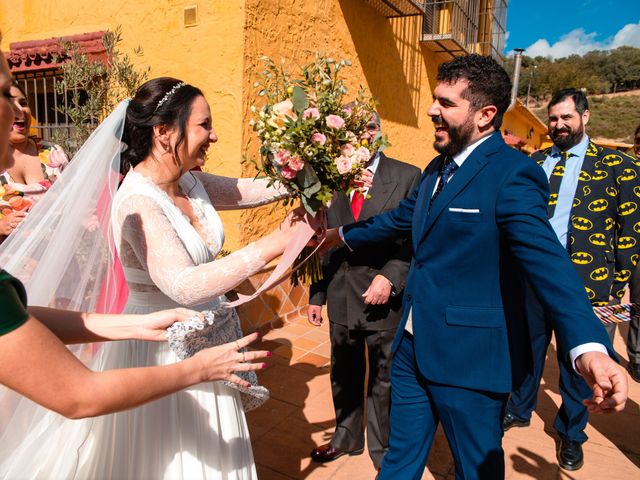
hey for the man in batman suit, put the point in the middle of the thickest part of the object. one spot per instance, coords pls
(478, 225)
(594, 211)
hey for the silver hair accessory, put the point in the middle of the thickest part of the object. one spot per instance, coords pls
(167, 95)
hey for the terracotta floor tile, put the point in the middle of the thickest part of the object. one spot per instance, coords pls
(300, 416)
(317, 334)
(315, 360)
(323, 349)
(269, 415)
(307, 343)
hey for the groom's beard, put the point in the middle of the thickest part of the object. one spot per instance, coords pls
(459, 138)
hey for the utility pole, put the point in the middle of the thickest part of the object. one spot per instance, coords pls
(529, 87)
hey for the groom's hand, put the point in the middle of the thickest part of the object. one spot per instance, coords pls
(607, 380)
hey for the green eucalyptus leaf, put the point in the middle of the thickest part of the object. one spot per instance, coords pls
(299, 99)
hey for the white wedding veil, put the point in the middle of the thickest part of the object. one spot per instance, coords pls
(62, 251)
(64, 254)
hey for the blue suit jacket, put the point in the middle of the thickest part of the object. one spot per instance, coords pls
(484, 234)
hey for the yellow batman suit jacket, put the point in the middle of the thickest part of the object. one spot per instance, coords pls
(604, 230)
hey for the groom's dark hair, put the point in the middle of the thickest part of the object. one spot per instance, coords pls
(489, 83)
(163, 100)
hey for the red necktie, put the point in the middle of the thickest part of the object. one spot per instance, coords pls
(356, 203)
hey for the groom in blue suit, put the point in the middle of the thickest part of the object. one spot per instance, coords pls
(479, 228)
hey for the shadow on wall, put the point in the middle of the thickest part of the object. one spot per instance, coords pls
(391, 59)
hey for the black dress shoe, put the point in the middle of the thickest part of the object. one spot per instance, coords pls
(570, 455)
(634, 371)
(510, 421)
(328, 453)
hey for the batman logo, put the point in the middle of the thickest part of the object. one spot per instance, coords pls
(626, 242)
(581, 223)
(584, 176)
(628, 174)
(576, 202)
(598, 205)
(592, 151)
(627, 208)
(553, 199)
(558, 171)
(599, 175)
(636, 190)
(636, 227)
(598, 239)
(598, 304)
(622, 275)
(612, 159)
(608, 224)
(590, 293)
(581, 258)
(600, 274)
(586, 190)
(634, 259)
(612, 192)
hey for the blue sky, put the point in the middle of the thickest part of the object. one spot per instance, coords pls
(558, 28)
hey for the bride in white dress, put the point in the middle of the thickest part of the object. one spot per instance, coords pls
(167, 234)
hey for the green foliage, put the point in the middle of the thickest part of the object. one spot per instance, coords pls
(95, 87)
(612, 117)
(595, 72)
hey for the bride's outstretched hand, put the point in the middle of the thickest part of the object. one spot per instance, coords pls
(153, 326)
(220, 363)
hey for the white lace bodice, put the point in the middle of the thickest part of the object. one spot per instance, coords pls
(161, 251)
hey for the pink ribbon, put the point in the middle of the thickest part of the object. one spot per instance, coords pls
(302, 234)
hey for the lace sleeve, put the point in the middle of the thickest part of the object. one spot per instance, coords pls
(148, 235)
(228, 193)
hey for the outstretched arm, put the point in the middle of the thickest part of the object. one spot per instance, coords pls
(158, 247)
(78, 327)
(53, 377)
(227, 193)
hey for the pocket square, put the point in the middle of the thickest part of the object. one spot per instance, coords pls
(464, 210)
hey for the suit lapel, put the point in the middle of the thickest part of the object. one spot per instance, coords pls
(469, 169)
(381, 190)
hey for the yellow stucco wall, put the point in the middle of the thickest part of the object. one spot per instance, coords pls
(209, 55)
(387, 59)
(221, 55)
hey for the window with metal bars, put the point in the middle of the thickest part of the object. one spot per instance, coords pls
(47, 103)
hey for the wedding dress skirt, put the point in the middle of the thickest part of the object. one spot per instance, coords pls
(198, 433)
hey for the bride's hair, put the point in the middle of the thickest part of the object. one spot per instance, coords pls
(163, 100)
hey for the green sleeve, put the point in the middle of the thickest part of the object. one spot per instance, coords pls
(13, 303)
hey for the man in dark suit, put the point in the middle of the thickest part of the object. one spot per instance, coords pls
(479, 227)
(362, 291)
(594, 213)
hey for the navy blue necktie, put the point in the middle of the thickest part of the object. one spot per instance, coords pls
(447, 170)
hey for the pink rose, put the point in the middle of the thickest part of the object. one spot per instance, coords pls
(318, 138)
(288, 173)
(282, 111)
(335, 122)
(347, 149)
(281, 157)
(296, 163)
(343, 164)
(363, 155)
(311, 113)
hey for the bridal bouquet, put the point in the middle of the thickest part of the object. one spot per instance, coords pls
(312, 137)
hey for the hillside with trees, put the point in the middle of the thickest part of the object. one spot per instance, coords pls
(601, 74)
